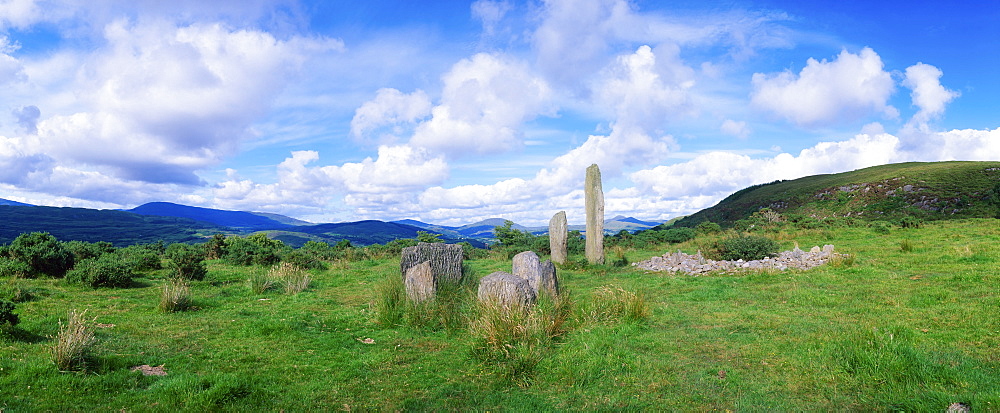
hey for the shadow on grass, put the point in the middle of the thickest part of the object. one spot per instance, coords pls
(21, 335)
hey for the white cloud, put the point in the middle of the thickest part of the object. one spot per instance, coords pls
(389, 108)
(490, 13)
(738, 129)
(160, 102)
(850, 87)
(928, 95)
(485, 101)
(11, 69)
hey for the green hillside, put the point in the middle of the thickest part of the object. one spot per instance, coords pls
(924, 190)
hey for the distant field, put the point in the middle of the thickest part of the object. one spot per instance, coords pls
(908, 322)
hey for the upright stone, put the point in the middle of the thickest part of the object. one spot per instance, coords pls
(445, 259)
(420, 283)
(548, 281)
(557, 237)
(528, 266)
(506, 289)
(541, 276)
(594, 198)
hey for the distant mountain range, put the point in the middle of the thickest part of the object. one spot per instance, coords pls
(172, 222)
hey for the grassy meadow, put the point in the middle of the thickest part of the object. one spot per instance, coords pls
(908, 321)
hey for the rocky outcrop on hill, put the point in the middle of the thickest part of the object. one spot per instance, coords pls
(697, 264)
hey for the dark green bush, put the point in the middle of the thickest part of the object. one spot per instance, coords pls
(747, 248)
(252, 250)
(708, 227)
(42, 252)
(303, 259)
(880, 227)
(910, 222)
(82, 250)
(676, 235)
(7, 315)
(188, 261)
(110, 270)
(14, 268)
(140, 257)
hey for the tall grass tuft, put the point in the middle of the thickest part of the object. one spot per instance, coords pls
(447, 310)
(15, 289)
(906, 245)
(73, 344)
(512, 339)
(390, 300)
(176, 295)
(294, 278)
(260, 281)
(616, 304)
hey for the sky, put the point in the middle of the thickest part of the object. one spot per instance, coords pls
(450, 112)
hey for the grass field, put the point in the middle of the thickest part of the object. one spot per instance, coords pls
(909, 322)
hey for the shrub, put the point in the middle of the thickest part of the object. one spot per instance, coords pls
(140, 257)
(42, 252)
(215, 248)
(880, 227)
(303, 259)
(107, 271)
(72, 347)
(82, 250)
(707, 227)
(7, 316)
(910, 222)
(176, 296)
(14, 268)
(747, 248)
(252, 250)
(188, 261)
(15, 289)
(676, 235)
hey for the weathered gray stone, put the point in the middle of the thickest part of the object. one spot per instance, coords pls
(594, 203)
(420, 282)
(445, 259)
(557, 237)
(506, 289)
(527, 265)
(548, 282)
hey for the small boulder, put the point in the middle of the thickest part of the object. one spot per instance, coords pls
(420, 282)
(506, 289)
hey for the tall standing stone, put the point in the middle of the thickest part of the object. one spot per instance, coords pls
(557, 237)
(594, 195)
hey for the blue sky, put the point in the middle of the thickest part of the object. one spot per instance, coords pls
(455, 111)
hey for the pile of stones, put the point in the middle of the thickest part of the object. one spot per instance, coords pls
(697, 264)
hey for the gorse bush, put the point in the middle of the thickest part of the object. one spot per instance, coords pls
(747, 248)
(82, 250)
(107, 271)
(255, 249)
(14, 268)
(187, 261)
(73, 343)
(7, 316)
(141, 257)
(42, 252)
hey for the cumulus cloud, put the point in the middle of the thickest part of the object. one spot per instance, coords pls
(11, 69)
(823, 92)
(390, 108)
(490, 13)
(485, 101)
(164, 101)
(398, 171)
(928, 95)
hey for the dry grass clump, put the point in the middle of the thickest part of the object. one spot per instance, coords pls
(73, 342)
(176, 296)
(294, 278)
